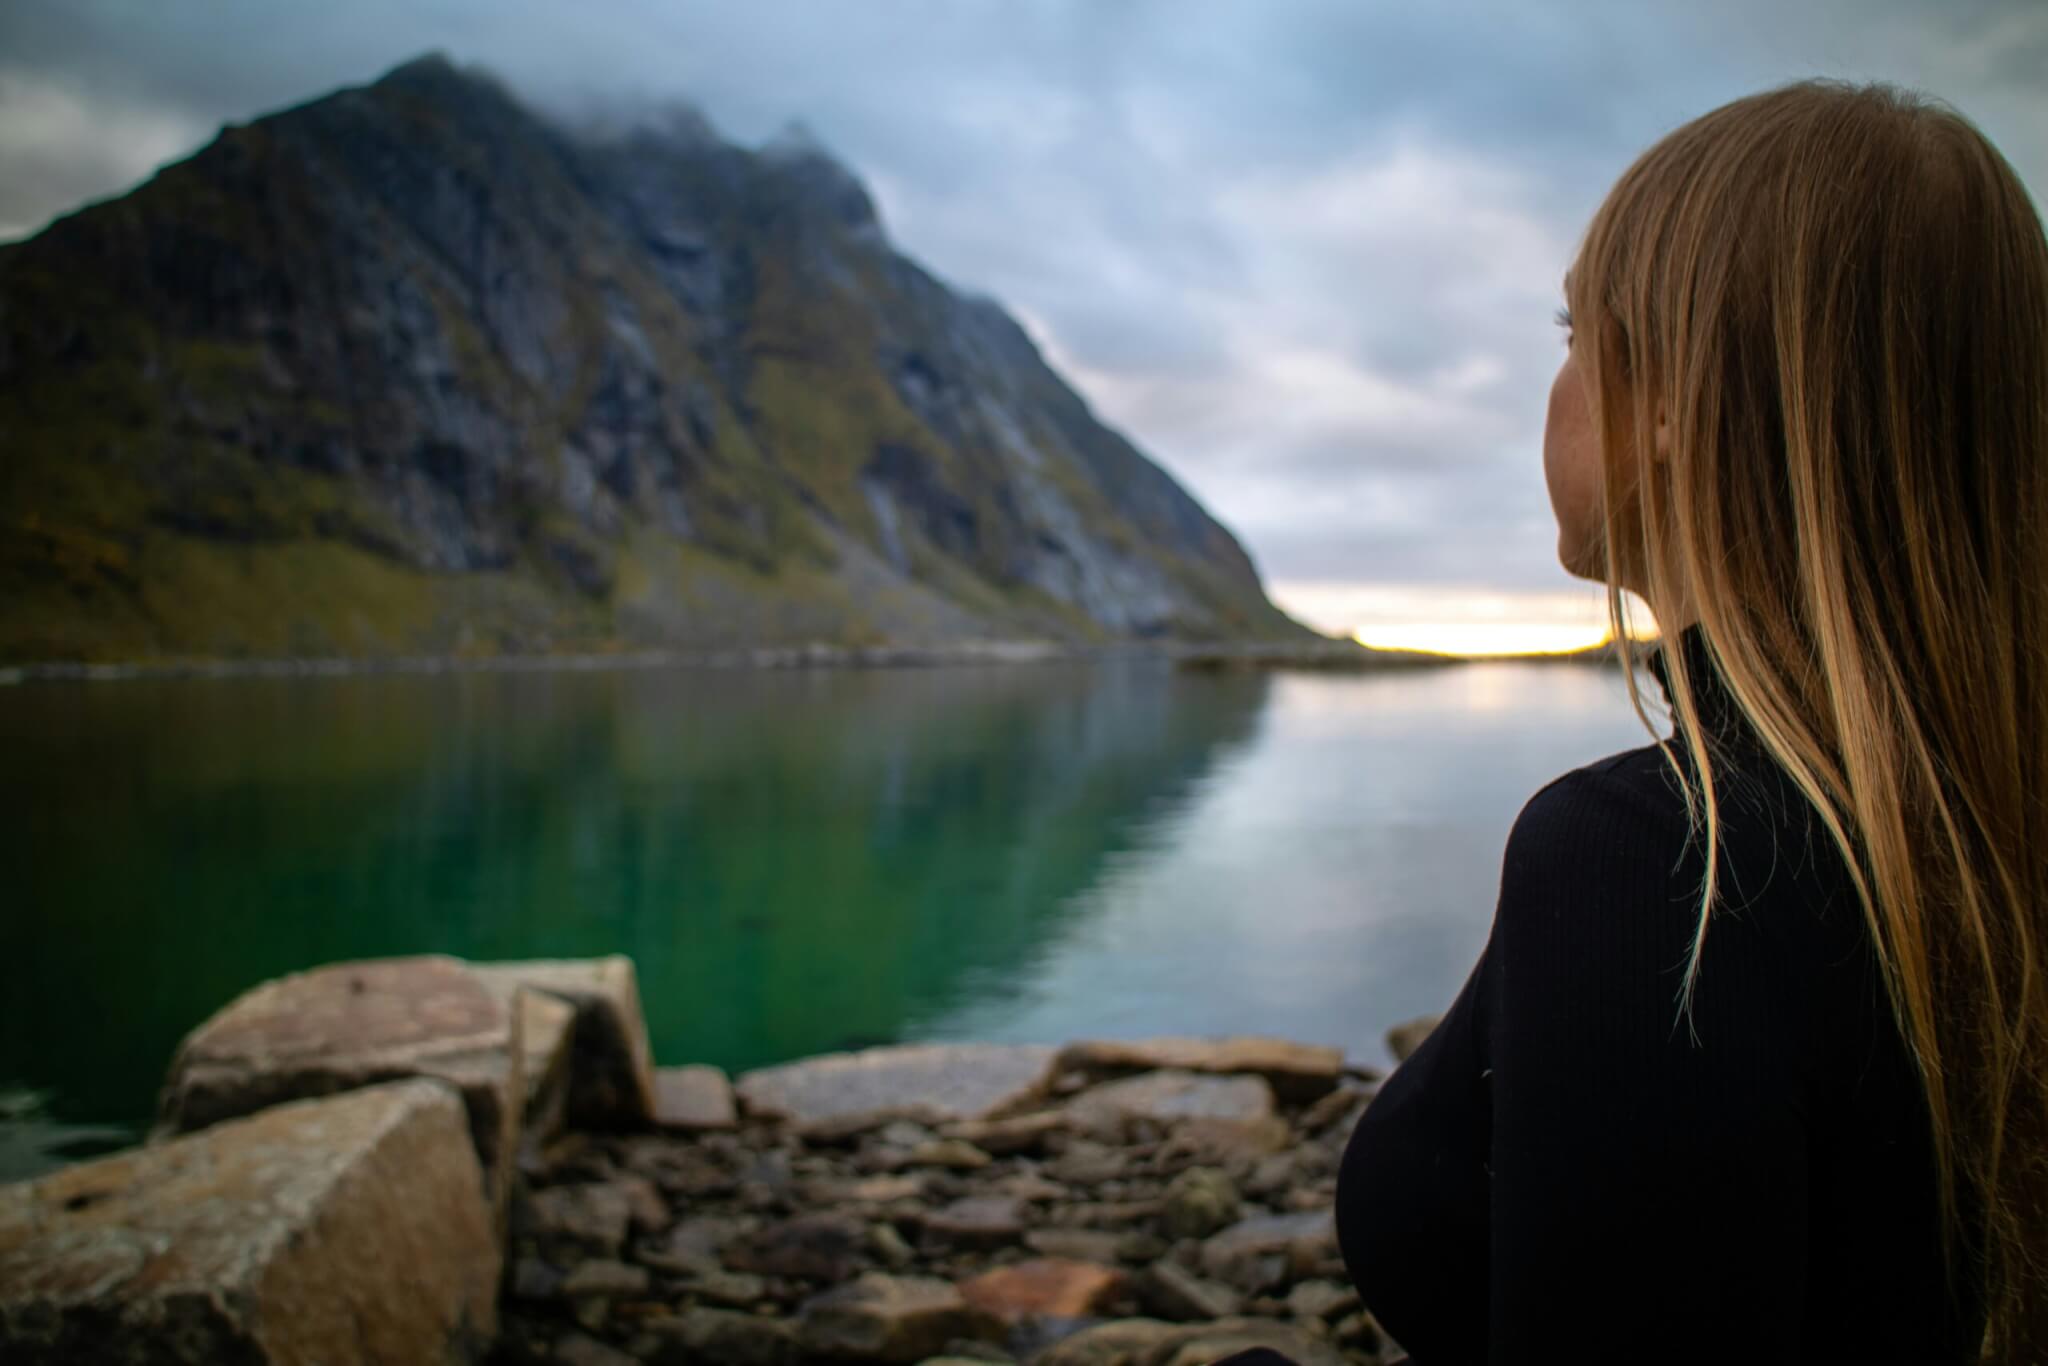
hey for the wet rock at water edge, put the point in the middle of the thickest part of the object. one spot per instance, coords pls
(1162, 1099)
(943, 1082)
(347, 1228)
(693, 1099)
(1297, 1072)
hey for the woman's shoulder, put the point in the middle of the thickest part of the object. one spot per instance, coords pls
(1613, 843)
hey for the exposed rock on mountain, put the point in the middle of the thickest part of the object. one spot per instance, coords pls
(414, 369)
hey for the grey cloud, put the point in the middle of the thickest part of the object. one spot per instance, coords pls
(1201, 205)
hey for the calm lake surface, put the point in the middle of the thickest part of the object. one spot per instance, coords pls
(796, 861)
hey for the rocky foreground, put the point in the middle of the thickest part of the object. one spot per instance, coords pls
(1155, 1203)
(425, 1160)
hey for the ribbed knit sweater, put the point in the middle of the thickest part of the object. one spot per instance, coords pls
(1568, 1171)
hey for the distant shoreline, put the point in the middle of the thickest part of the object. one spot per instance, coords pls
(1326, 656)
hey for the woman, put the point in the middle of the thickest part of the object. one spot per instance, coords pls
(1753, 1067)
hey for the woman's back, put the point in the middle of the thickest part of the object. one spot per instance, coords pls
(1569, 1170)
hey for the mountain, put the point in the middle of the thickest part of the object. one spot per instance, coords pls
(414, 369)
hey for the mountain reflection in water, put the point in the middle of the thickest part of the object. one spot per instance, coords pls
(796, 861)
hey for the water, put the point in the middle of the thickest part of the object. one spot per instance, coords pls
(797, 861)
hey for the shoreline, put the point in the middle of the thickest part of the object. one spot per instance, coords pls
(1330, 655)
(432, 1159)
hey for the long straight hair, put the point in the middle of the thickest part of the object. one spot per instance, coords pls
(1834, 301)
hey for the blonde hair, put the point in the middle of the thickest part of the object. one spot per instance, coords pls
(1834, 298)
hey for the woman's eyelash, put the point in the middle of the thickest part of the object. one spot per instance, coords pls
(1563, 318)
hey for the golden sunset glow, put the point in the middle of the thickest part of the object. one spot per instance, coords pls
(1453, 620)
(1484, 637)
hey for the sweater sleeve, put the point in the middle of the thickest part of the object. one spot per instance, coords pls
(1648, 1174)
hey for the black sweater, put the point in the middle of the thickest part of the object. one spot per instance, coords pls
(1565, 1171)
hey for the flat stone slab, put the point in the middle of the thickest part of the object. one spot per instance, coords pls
(694, 1099)
(351, 1228)
(1297, 1071)
(939, 1082)
(611, 1067)
(351, 1025)
(1170, 1097)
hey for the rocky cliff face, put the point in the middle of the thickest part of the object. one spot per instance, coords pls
(412, 369)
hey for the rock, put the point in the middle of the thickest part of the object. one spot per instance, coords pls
(1297, 1072)
(1171, 1292)
(1321, 1300)
(595, 1215)
(1338, 1105)
(886, 1243)
(602, 1277)
(1199, 1201)
(1032, 1188)
(835, 1130)
(1139, 1247)
(649, 1212)
(815, 1247)
(534, 1279)
(1007, 1137)
(546, 1031)
(977, 1221)
(351, 1228)
(944, 1082)
(1266, 1251)
(1044, 1286)
(1075, 1244)
(1088, 1163)
(891, 1318)
(1212, 1342)
(693, 1246)
(1121, 1342)
(1404, 1038)
(957, 1154)
(720, 1335)
(578, 1350)
(732, 1289)
(882, 1190)
(1361, 1331)
(1163, 1098)
(351, 1025)
(611, 1065)
(693, 1099)
(1230, 1142)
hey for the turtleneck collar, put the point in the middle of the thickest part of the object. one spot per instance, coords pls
(1719, 714)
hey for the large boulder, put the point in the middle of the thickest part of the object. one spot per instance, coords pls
(937, 1083)
(611, 1064)
(352, 1025)
(1297, 1072)
(351, 1228)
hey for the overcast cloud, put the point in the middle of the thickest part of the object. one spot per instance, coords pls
(1304, 252)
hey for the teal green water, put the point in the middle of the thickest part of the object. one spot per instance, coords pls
(797, 861)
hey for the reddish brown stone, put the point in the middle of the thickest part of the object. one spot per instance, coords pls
(1052, 1286)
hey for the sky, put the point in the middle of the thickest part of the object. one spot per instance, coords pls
(1305, 253)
